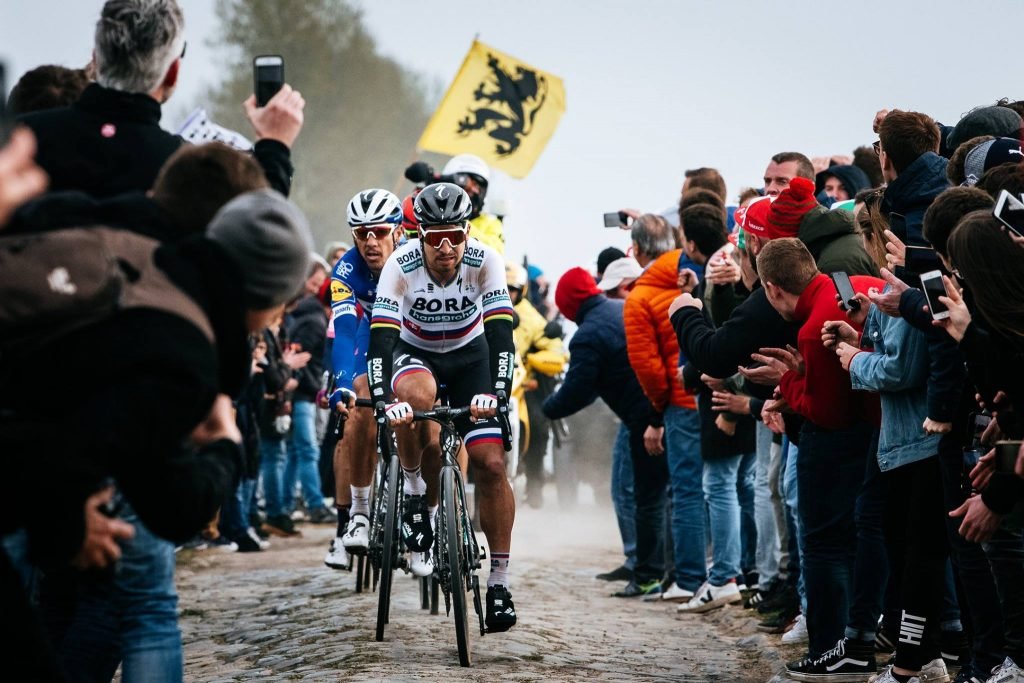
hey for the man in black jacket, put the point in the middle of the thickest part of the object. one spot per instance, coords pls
(146, 385)
(600, 368)
(110, 141)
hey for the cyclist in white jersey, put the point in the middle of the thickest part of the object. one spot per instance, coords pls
(443, 316)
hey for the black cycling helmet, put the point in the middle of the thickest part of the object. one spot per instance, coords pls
(442, 204)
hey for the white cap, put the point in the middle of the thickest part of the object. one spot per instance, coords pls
(467, 163)
(619, 270)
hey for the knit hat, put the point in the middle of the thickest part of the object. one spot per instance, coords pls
(625, 268)
(789, 208)
(754, 216)
(990, 154)
(269, 239)
(575, 287)
(1001, 122)
(606, 257)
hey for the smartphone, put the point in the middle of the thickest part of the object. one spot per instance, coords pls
(933, 287)
(268, 76)
(616, 219)
(6, 120)
(848, 298)
(1010, 212)
(920, 259)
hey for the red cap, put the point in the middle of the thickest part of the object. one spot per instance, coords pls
(575, 287)
(409, 223)
(789, 208)
(754, 216)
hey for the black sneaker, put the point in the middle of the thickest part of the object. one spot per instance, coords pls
(280, 525)
(849, 660)
(416, 530)
(884, 641)
(782, 598)
(620, 573)
(323, 515)
(501, 613)
(776, 622)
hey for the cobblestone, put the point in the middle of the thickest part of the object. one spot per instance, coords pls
(281, 615)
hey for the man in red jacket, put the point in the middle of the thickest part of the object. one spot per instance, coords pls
(836, 436)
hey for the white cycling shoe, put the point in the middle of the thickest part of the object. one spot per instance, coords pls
(421, 564)
(357, 535)
(337, 557)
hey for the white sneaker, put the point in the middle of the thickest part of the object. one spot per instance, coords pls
(337, 557)
(934, 672)
(421, 564)
(357, 536)
(798, 632)
(711, 597)
(676, 594)
(887, 677)
(1007, 672)
(262, 543)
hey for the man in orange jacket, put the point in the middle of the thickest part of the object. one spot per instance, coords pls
(675, 446)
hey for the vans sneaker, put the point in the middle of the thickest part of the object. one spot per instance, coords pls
(357, 536)
(849, 661)
(416, 530)
(711, 597)
(337, 557)
(1007, 672)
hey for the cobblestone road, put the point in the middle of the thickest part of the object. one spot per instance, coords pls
(282, 615)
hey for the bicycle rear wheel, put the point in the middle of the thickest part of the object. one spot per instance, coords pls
(389, 550)
(455, 549)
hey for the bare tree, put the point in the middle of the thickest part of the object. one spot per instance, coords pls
(364, 111)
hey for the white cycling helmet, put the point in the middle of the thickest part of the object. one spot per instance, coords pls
(467, 163)
(374, 207)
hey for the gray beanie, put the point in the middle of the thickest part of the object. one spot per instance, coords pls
(1001, 122)
(269, 239)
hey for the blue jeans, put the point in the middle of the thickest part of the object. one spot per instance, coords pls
(686, 471)
(766, 557)
(303, 458)
(791, 456)
(720, 483)
(748, 519)
(272, 462)
(830, 472)
(623, 499)
(131, 616)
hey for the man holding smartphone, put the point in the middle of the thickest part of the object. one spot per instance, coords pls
(834, 440)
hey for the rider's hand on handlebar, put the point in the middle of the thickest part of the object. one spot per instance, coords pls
(399, 413)
(342, 400)
(483, 406)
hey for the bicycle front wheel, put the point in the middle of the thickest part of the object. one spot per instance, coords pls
(455, 548)
(389, 551)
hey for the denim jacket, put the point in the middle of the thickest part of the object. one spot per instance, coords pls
(898, 371)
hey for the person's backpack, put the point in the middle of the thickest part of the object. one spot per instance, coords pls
(52, 283)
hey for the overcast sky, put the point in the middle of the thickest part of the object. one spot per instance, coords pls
(653, 86)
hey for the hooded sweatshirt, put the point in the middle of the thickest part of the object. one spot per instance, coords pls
(832, 239)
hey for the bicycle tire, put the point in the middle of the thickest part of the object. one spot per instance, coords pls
(389, 550)
(455, 550)
(360, 562)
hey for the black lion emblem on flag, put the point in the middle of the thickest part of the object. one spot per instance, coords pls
(506, 106)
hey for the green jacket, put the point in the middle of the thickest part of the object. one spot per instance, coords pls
(833, 240)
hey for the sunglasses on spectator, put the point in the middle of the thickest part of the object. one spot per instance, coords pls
(436, 237)
(380, 232)
(877, 146)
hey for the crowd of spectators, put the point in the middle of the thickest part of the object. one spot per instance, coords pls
(807, 427)
(846, 465)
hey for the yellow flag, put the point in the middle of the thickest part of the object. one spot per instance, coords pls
(498, 108)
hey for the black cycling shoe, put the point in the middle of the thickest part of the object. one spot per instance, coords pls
(416, 530)
(501, 613)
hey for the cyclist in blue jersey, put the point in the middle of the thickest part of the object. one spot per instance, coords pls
(375, 217)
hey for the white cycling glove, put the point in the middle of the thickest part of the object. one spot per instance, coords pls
(484, 402)
(399, 413)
